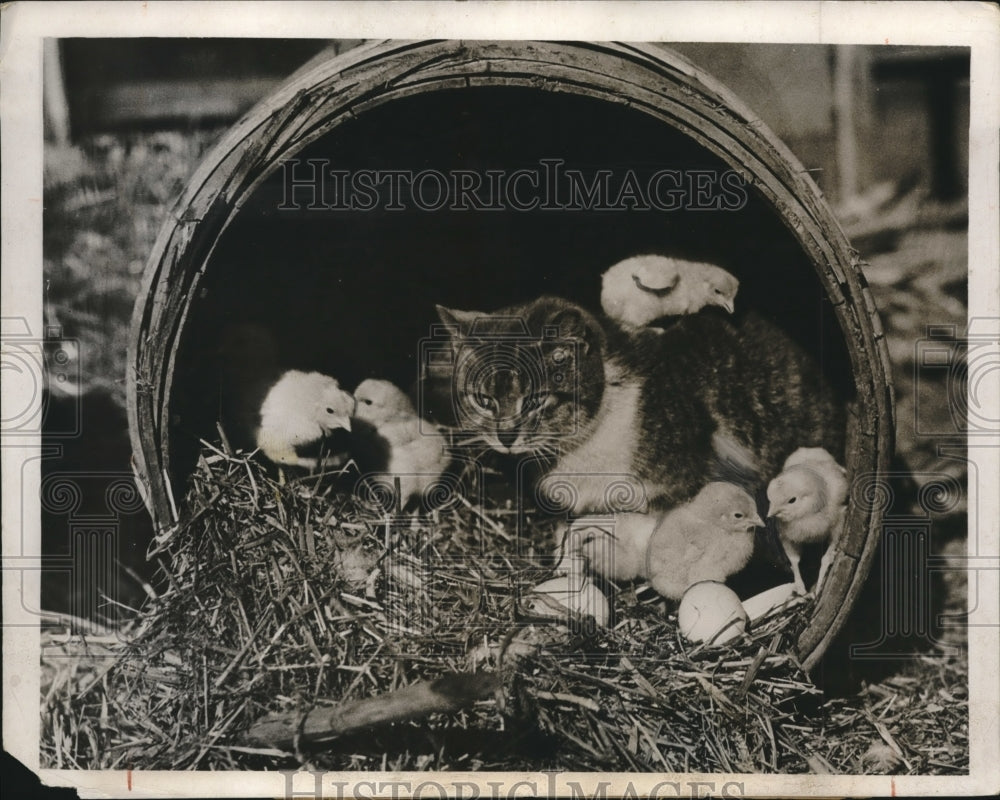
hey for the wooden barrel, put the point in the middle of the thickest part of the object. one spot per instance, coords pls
(237, 248)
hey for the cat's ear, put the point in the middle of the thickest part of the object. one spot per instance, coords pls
(573, 322)
(459, 321)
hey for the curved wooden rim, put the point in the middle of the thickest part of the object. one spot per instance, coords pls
(650, 79)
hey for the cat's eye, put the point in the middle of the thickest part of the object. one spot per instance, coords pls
(484, 401)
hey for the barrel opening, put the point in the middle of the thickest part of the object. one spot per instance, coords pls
(353, 292)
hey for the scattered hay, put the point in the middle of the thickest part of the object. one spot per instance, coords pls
(282, 598)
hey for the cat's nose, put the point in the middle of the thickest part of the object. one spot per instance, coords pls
(507, 438)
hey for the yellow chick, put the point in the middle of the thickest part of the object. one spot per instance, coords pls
(299, 411)
(708, 538)
(809, 502)
(641, 289)
(412, 451)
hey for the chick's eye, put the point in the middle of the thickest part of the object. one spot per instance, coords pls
(718, 291)
(738, 515)
(367, 402)
(329, 410)
(791, 500)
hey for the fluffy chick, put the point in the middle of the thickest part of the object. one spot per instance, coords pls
(638, 290)
(616, 550)
(708, 538)
(808, 500)
(414, 452)
(300, 410)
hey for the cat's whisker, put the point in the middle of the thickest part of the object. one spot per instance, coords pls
(478, 454)
(470, 440)
(549, 448)
(546, 449)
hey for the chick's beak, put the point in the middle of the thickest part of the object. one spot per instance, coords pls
(771, 509)
(729, 305)
(757, 522)
(342, 422)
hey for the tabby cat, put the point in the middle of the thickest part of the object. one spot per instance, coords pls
(709, 398)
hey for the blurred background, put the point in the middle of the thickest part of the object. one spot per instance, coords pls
(882, 130)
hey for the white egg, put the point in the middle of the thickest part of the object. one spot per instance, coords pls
(573, 592)
(711, 612)
(762, 604)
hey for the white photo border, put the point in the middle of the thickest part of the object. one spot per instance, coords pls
(26, 24)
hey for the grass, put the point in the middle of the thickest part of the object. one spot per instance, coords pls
(105, 201)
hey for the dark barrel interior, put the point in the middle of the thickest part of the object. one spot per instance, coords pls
(352, 293)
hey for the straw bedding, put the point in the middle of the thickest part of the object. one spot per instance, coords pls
(279, 599)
